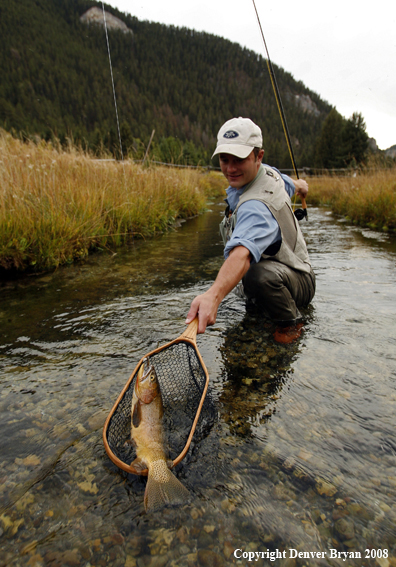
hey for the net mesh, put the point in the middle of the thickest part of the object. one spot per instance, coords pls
(182, 379)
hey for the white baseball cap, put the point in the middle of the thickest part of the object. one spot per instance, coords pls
(238, 137)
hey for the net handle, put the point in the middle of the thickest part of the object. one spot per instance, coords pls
(191, 332)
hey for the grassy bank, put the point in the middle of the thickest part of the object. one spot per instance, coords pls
(56, 207)
(369, 199)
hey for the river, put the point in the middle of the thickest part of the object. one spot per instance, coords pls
(300, 458)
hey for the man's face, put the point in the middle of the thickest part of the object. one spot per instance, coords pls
(240, 172)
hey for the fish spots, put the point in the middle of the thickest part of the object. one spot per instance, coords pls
(160, 472)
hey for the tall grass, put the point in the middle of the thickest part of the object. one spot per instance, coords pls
(367, 199)
(57, 206)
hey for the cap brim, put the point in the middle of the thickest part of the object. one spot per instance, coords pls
(233, 149)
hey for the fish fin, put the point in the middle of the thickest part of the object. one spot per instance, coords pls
(139, 465)
(137, 415)
(163, 488)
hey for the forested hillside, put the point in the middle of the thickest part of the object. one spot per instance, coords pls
(55, 82)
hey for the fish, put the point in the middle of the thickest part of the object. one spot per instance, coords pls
(147, 435)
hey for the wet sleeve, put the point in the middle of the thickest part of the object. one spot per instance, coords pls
(256, 229)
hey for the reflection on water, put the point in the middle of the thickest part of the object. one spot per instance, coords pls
(302, 455)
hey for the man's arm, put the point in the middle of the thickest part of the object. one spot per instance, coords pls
(231, 272)
(298, 186)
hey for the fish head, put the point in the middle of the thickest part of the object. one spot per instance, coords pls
(147, 386)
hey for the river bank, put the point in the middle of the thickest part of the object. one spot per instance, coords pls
(56, 207)
(59, 206)
(366, 199)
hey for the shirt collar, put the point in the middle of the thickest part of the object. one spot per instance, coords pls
(233, 193)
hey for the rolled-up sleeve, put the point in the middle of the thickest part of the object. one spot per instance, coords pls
(256, 229)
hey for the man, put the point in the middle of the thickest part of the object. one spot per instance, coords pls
(264, 246)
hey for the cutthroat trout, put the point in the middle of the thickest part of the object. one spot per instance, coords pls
(148, 437)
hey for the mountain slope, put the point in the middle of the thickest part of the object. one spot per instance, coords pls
(55, 80)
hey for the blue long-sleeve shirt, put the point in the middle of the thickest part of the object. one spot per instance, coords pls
(256, 227)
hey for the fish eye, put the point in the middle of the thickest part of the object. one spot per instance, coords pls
(152, 378)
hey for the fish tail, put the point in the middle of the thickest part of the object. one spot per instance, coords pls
(163, 488)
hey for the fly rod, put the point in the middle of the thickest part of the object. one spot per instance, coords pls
(302, 213)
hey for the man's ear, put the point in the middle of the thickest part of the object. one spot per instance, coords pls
(260, 155)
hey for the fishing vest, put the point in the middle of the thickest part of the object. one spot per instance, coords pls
(269, 188)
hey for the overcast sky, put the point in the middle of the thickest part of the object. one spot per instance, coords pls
(343, 50)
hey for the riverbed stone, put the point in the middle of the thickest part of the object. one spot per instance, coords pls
(228, 549)
(89, 487)
(252, 546)
(28, 548)
(208, 558)
(183, 549)
(324, 531)
(204, 540)
(209, 529)
(339, 513)
(134, 546)
(192, 559)
(158, 560)
(351, 543)
(281, 492)
(36, 560)
(363, 512)
(227, 506)
(325, 488)
(195, 513)
(144, 561)
(385, 507)
(344, 528)
(85, 552)
(182, 534)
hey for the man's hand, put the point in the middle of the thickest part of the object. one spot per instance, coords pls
(231, 272)
(205, 306)
(301, 187)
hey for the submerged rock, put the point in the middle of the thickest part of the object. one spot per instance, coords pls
(345, 529)
(325, 488)
(208, 558)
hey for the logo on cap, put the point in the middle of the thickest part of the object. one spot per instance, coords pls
(231, 134)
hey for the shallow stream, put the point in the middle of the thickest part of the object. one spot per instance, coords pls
(302, 455)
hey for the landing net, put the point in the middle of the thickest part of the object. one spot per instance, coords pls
(188, 409)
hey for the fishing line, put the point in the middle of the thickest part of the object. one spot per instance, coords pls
(112, 81)
(277, 95)
(118, 129)
(302, 213)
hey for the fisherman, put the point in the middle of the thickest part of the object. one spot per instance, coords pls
(264, 246)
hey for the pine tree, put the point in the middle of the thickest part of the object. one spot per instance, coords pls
(329, 149)
(355, 140)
